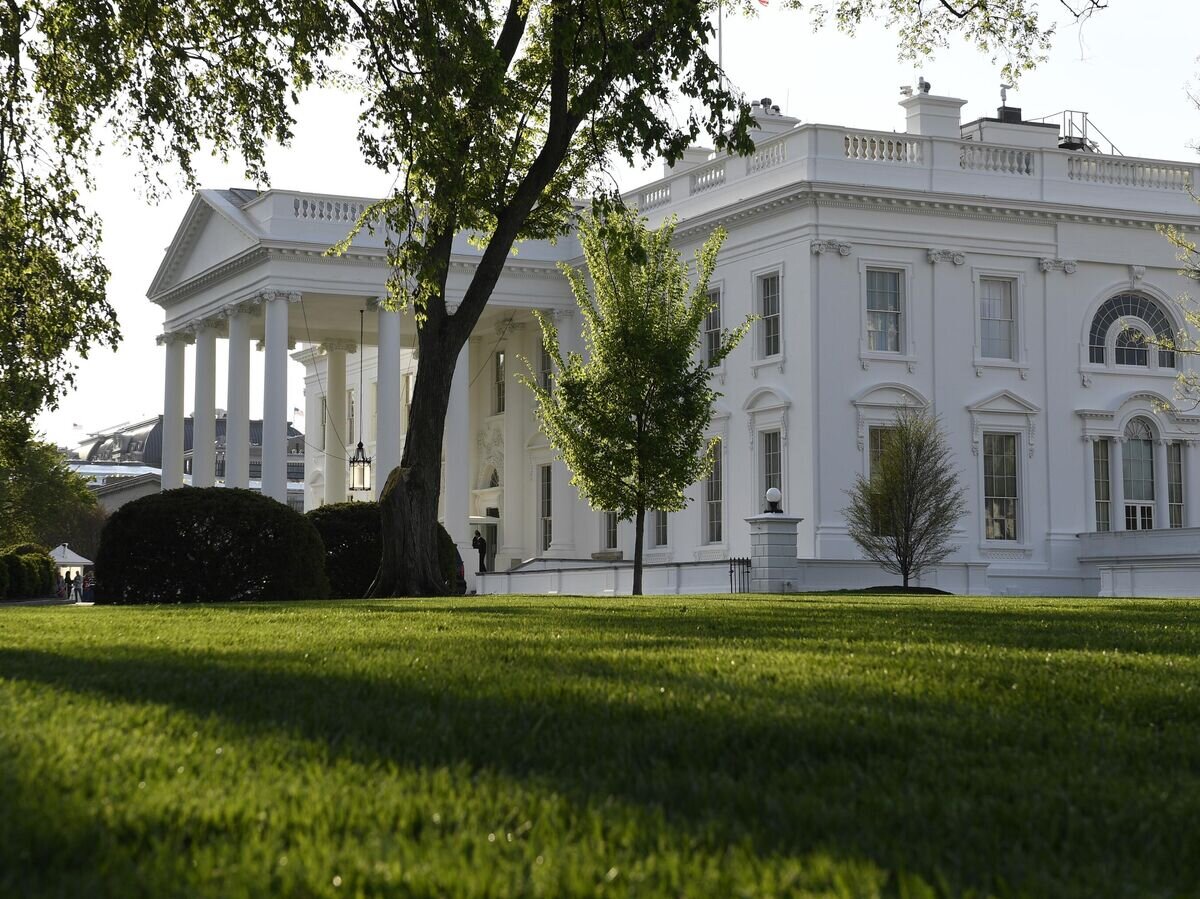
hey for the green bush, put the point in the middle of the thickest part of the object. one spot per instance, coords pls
(29, 572)
(3, 580)
(16, 575)
(353, 537)
(351, 533)
(25, 549)
(211, 544)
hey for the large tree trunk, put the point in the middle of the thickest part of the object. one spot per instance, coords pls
(639, 540)
(409, 501)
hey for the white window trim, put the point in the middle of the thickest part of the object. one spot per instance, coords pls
(770, 420)
(602, 543)
(1020, 362)
(707, 550)
(1110, 348)
(781, 357)
(717, 286)
(1089, 369)
(1022, 543)
(908, 345)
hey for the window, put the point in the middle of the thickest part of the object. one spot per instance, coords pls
(545, 369)
(1131, 346)
(713, 511)
(769, 325)
(877, 436)
(1175, 484)
(712, 328)
(1103, 485)
(1137, 462)
(498, 389)
(660, 528)
(772, 461)
(997, 324)
(608, 530)
(885, 304)
(350, 410)
(545, 506)
(1000, 486)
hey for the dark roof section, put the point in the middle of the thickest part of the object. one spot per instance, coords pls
(151, 453)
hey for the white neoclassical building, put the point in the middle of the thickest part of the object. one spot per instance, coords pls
(988, 271)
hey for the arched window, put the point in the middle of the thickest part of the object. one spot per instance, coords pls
(1138, 474)
(1131, 344)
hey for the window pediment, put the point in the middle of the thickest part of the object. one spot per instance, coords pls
(1004, 402)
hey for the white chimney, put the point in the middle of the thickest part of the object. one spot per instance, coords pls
(932, 116)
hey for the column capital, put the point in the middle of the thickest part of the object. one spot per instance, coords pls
(248, 306)
(201, 325)
(261, 345)
(289, 296)
(955, 256)
(345, 346)
(169, 337)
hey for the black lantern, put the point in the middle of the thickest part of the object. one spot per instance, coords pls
(360, 462)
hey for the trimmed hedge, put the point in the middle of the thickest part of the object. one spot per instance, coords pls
(209, 544)
(29, 572)
(351, 533)
(353, 537)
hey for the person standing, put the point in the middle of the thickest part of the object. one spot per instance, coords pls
(479, 542)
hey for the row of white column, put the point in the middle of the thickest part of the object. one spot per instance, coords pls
(275, 344)
(1116, 479)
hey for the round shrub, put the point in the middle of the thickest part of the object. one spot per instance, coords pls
(211, 544)
(25, 549)
(16, 576)
(3, 580)
(351, 533)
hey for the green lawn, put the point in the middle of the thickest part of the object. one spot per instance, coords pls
(674, 746)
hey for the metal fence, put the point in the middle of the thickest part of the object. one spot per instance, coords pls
(739, 575)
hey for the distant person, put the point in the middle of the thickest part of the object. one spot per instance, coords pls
(478, 542)
(89, 589)
(69, 585)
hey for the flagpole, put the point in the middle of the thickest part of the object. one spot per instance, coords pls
(721, 38)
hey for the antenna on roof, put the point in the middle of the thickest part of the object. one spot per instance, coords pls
(922, 85)
(1004, 89)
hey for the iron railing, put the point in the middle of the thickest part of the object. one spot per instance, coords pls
(739, 575)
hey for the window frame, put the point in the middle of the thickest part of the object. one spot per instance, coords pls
(499, 377)
(717, 288)
(660, 527)
(761, 441)
(757, 276)
(545, 508)
(707, 502)
(610, 531)
(1020, 354)
(906, 352)
(1018, 537)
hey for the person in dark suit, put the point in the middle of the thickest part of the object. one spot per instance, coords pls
(479, 543)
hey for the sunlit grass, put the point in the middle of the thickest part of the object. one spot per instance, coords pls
(849, 746)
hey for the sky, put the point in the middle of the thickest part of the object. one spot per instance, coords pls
(1130, 67)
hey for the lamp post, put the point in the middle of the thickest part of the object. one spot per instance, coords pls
(360, 462)
(774, 502)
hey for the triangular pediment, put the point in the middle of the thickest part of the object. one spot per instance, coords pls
(212, 232)
(1004, 401)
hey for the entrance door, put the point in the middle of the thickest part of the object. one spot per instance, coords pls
(489, 532)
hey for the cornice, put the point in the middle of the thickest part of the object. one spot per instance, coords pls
(808, 193)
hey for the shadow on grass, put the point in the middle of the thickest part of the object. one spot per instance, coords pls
(975, 794)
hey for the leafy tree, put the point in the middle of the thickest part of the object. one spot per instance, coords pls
(629, 421)
(492, 114)
(43, 501)
(904, 514)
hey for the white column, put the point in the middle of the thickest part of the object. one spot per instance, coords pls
(237, 413)
(388, 398)
(204, 424)
(1162, 513)
(1089, 484)
(274, 440)
(1191, 483)
(1116, 473)
(563, 497)
(314, 438)
(457, 444)
(172, 434)
(516, 401)
(339, 445)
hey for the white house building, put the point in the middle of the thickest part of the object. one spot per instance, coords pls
(987, 271)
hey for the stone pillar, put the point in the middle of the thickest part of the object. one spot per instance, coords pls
(512, 505)
(314, 442)
(275, 408)
(457, 444)
(773, 564)
(237, 413)
(339, 445)
(388, 398)
(1089, 484)
(172, 434)
(1116, 474)
(1191, 483)
(1162, 510)
(204, 414)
